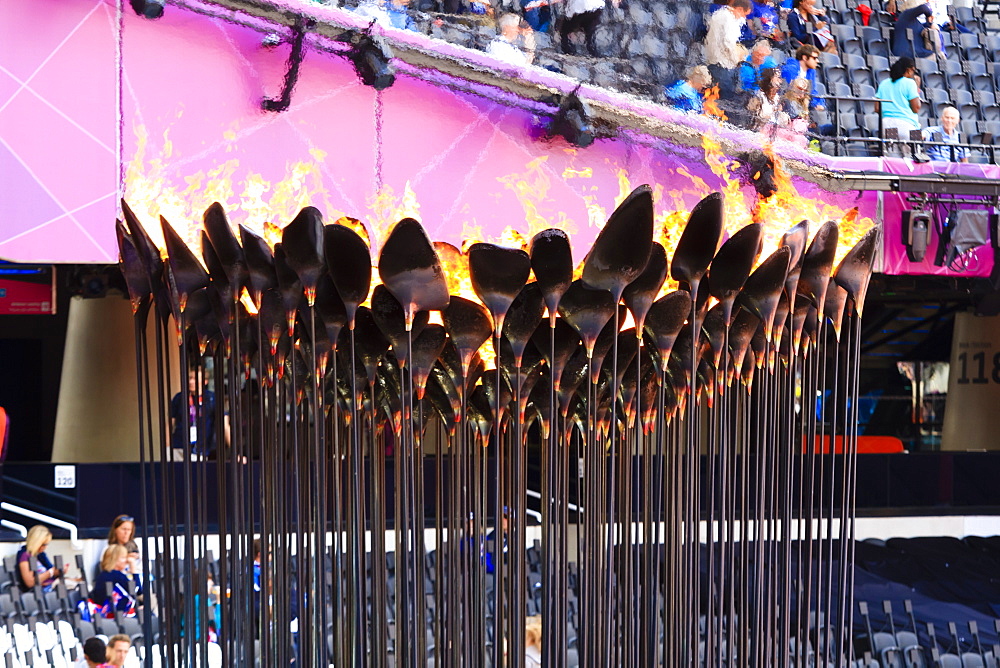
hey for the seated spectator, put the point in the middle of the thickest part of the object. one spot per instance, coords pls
(795, 112)
(931, 35)
(115, 562)
(900, 98)
(806, 26)
(723, 50)
(758, 60)
(686, 94)
(122, 532)
(907, 34)
(946, 132)
(538, 14)
(765, 21)
(95, 654)
(764, 106)
(44, 573)
(803, 66)
(533, 642)
(504, 46)
(582, 16)
(388, 13)
(118, 647)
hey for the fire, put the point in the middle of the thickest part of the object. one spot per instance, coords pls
(357, 226)
(711, 103)
(531, 189)
(385, 210)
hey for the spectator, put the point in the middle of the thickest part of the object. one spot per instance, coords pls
(388, 13)
(765, 21)
(765, 104)
(723, 50)
(538, 14)
(122, 533)
(803, 66)
(114, 564)
(794, 112)
(95, 654)
(946, 132)
(504, 46)
(806, 26)
(533, 642)
(196, 433)
(931, 35)
(118, 647)
(686, 94)
(583, 15)
(900, 98)
(44, 573)
(758, 60)
(907, 39)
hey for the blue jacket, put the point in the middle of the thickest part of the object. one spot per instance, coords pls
(750, 75)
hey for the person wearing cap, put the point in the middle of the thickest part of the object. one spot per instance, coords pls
(95, 654)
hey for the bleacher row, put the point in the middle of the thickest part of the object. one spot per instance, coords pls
(648, 46)
(911, 647)
(967, 77)
(46, 628)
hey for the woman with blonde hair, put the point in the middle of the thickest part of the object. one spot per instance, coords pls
(106, 599)
(44, 572)
(533, 642)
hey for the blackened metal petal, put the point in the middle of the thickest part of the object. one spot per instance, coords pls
(733, 264)
(260, 263)
(665, 319)
(795, 239)
(391, 319)
(349, 264)
(330, 308)
(302, 240)
(523, 317)
(411, 271)
(426, 349)
(226, 247)
(855, 270)
(498, 274)
(587, 310)
(699, 241)
(621, 250)
(134, 272)
(566, 342)
(188, 274)
(818, 263)
(640, 293)
(469, 325)
(763, 288)
(552, 262)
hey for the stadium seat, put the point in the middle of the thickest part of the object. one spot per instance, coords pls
(837, 74)
(926, 66)
(868, 105)
(970, 111)
(862, 75)
(984, 97)
(982, 82)
(829, 60)
(972, 660)
(977, 54)
(958, 81)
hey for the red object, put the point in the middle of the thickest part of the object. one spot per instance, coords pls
(867, 445)
(865, 12)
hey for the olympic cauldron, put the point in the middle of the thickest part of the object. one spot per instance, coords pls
(382, 440)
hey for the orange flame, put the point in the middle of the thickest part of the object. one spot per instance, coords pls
(711, 103)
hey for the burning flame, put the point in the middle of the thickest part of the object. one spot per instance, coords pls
(711, 103)
(264, 206)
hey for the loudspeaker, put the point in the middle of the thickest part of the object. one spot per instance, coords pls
(917, 226)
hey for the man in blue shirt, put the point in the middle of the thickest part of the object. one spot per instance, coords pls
(758, 60)
(686, 94)
(803, 66)
(946, 132)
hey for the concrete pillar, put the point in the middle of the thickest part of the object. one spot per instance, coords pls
(98, 414)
